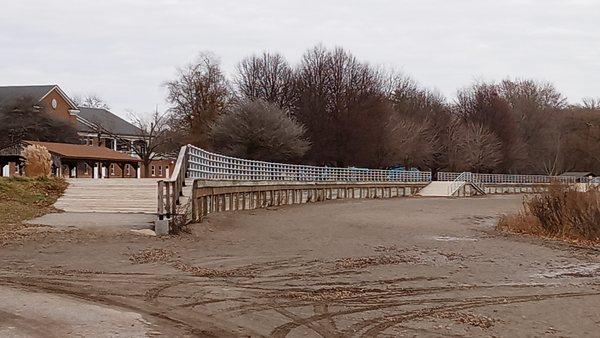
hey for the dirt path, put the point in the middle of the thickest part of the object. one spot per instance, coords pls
(412, 267)
(30, 313)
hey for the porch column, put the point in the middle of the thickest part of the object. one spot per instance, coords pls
(139, 170)
(96, 169)
(106, 169)
(3, 168)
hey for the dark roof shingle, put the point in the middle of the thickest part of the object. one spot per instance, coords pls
(106, 121)
(9, 94)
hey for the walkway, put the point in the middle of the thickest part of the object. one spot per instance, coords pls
(379, 267)
(114, 195)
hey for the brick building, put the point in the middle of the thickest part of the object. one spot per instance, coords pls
(97, 128)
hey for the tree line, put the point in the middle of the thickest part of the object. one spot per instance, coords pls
(333, 109)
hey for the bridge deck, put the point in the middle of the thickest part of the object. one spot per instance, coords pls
(113, 195)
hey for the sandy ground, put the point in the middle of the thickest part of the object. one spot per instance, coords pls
(397, 267)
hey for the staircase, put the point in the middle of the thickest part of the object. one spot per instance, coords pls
(436, 188)
(463, 185)
(114, 195)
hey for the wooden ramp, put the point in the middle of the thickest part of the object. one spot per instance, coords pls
(114, 195)
(451, 189)
(436, 188)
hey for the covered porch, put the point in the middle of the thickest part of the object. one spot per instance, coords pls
(82, 161)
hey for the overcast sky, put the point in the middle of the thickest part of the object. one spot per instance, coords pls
(125, 50)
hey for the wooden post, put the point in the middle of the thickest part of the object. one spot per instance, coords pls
(168, 198)
(194, 197)
(161, 206)
(174, 200)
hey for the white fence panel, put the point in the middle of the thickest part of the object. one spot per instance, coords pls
(210, 166)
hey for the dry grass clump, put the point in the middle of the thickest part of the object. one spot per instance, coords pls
(363, 262)
(561, 212)
(199, 271)
(330, 294)
(152, 256)
(471, 319)
(38, 161)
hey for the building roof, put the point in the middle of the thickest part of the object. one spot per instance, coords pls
(84, 152)
(578, 174)
(9, 94)
(92, 119)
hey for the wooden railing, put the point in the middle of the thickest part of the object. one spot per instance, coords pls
(213, 170)
(210, 196)
(170, 190)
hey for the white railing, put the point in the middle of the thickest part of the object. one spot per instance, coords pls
(507, 178)
(593, 180)
(458, 182)
(203, 164)
(465, 177)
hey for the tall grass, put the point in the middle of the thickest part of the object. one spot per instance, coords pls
(38, 161)
(563, 212)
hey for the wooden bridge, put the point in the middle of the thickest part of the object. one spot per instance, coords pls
(223, 183)
(203, 182)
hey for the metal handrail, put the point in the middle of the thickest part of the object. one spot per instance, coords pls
(508, 178)
(457, 183)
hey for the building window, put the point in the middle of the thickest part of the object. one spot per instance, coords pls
(85, 169)
(160, 170)
(112, 168)
(153, 171)
(127, 172)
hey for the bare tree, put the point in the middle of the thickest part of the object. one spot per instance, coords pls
(474, 148)
(26, 119)
(266, 77)
(155, 134)
(343, 104)
(428, 110)
(481, 104)
(198, 95)
(259, 130)
(581, 139)
(590, 103)
(153, 138)
(412, 142)
(90, 101)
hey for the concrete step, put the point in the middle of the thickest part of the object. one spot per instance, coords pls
(437, 188)
(113, 195)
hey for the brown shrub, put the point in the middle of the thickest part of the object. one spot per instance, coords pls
(562, 212)
(38, 161)
(521, 223)
(259, 130)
